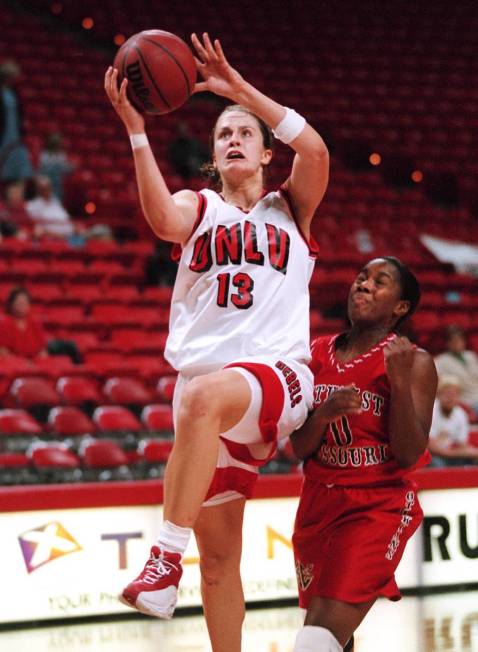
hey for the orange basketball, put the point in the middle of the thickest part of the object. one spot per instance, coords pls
(160, 69)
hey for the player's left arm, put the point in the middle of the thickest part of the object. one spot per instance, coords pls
(413, 383)
(309, 177)
(308, 180)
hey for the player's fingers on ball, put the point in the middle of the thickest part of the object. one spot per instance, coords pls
(219, 50)
(199, 65)
(198, 47)
(209, 48)
(201, 50)
(122, 91)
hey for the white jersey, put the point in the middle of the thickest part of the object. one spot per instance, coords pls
(242, 286)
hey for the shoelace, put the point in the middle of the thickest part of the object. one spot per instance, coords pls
(156, 568)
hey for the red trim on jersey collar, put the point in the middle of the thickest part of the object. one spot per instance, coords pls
(273, 398)
(343, 366)
(177, 249)
(311, 243)
(263, 194)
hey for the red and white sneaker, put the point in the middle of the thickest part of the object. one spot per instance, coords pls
(155, 591)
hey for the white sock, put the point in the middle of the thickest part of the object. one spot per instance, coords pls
(316, 639)
(173, 537)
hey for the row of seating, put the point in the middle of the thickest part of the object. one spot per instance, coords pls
(82, 390)
(19, 428)
(95, 460)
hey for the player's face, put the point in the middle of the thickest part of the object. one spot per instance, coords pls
(238, 146)
(375, 296)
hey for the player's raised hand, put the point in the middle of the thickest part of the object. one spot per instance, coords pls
(132, 119)
(341, 402)
(219, 76)
(399, 355)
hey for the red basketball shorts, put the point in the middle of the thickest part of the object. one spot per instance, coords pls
(348, 541)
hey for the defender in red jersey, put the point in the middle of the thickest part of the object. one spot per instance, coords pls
(374, 394)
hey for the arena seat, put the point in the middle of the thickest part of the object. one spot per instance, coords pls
(69, 421)
(36, 395)
(153, 455)
(104, 460)
(17, 430)
(126, 391)
(165, 388)
(15, 469)
(79, 391)
(55, 463)
(158, 419)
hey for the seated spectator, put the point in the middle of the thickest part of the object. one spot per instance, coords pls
(449, 432)
(47, 211)
(21, 334)
(462, 363)
(54, 163)
(187, 153)
(14, 218)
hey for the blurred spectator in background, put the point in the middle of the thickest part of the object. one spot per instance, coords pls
(450, 428)
(14, 157)
(54, 163)
(21, 334)
(47, 212)
(159, 268)
(459, 362)
(14, 218)
(187, 153)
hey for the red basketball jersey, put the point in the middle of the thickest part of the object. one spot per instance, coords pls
(355, 449)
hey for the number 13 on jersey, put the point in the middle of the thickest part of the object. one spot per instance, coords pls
(241, 298)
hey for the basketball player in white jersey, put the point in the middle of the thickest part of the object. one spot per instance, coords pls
(239, 331)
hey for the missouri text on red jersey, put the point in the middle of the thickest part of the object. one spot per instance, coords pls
(355, 449)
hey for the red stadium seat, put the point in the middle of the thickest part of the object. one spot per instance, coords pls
(165, 388)
(79, 391)
(28, 392)
(67, 421)
(156, 450)
(15, 469)
(103, 453)
(158, 418)
(115, 418)
(55, 464)
(126, 391)
(54, 456)
(13, 422)
(105, 460)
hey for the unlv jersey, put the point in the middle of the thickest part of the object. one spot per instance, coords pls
(242, 286)
(355, 449)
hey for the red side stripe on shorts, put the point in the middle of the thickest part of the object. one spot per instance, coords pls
(232, 478)
(271, 410)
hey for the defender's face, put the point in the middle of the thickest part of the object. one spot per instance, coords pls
(374, 297)
(238, 145)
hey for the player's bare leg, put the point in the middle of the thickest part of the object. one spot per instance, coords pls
(330, 624)
(218, 533)
(210, 404)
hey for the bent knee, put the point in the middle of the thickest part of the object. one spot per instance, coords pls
(199, 397)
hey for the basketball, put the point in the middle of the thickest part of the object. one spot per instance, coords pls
(160, 69)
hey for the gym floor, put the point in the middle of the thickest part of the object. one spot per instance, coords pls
(445, 622)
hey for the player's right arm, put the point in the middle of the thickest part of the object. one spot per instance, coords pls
(171, 217)
(307, 439)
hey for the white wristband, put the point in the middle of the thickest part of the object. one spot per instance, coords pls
(139, 140)
(291, 126)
